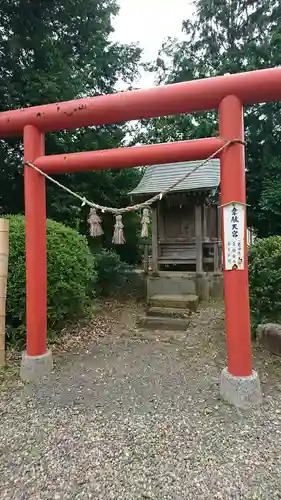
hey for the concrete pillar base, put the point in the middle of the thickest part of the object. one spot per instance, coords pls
(35, 368)
(242, 392)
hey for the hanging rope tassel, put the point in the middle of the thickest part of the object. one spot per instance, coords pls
(145, 221)
(95, 223)
(118, 236)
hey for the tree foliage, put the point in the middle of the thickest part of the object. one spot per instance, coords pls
(55, 51)
(229, 37)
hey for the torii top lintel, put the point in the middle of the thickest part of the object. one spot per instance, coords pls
(197, 95)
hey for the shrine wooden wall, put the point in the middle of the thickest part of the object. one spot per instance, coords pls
(176, 221)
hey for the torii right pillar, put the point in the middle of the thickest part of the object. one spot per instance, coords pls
(239, 384)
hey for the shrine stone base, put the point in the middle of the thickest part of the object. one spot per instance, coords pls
(242, 392)
(35, 368)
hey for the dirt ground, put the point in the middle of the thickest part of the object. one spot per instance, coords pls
(133, 414)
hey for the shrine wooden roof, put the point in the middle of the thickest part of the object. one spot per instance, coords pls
(157, 178)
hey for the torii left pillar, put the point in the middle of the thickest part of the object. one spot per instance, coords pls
(36, 360)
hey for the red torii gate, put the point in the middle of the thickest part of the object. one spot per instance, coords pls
(239, 383)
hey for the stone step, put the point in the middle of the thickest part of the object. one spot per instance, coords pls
(175, 301)
(161, 323)
(170, 312)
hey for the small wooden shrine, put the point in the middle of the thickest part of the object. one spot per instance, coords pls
(186, 225)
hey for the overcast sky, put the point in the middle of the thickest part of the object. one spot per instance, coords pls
(149, 22)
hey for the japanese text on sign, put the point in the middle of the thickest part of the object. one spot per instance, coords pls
(234, 221)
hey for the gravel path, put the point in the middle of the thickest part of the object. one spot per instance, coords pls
(137, 417)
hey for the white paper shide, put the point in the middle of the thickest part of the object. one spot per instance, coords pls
(234, 222)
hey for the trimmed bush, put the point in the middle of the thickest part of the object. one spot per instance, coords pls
(265, 280)
(71, 276)
(112, 273)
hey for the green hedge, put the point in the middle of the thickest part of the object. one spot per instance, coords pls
(71, 276)
(265, 280)
(112, 273)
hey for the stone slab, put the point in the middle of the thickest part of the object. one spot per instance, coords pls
(175, 301)
(170, 312)
(160, 323)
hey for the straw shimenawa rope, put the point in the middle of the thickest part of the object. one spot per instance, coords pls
(138, 206)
